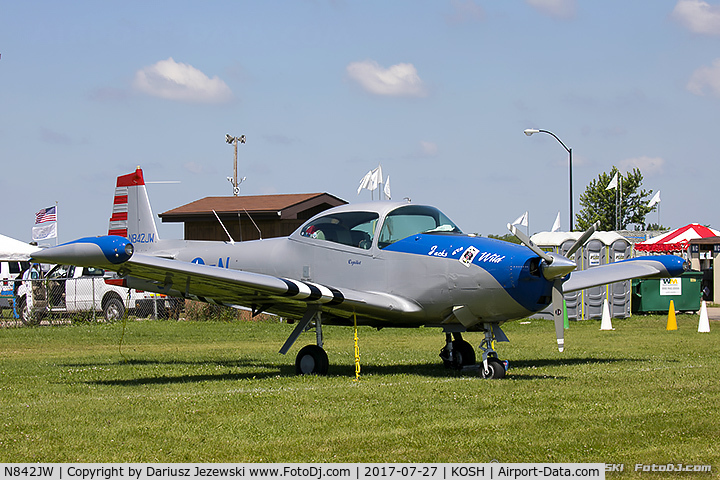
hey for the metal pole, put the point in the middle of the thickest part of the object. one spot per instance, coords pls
(571, 192)
(236, 190)
(531, 131)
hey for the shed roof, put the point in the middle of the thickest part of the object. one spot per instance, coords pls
(285, 206)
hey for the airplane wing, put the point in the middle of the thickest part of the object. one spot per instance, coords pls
(283, 296)
(640, 267)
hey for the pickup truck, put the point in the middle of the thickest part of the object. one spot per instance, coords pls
(70, 289)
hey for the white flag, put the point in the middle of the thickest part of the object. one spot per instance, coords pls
(376, 178)
(365, 182)
(613, 183)
(556, 225)
(655, 199)
(387, 188)
(371, 180)
(522, 220)
(44, 231)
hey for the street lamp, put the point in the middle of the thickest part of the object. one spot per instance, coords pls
(234, 141)
(529, 132)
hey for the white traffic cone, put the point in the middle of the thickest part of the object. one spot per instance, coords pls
(606, 324)
(704, 325)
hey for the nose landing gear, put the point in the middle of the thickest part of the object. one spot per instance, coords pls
(458, 354)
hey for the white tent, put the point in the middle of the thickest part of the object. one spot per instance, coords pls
(11, 249)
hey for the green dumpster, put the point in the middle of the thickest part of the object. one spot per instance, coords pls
(654, 295)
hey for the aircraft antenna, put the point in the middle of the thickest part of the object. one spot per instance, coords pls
(251, 219)
(232, 242)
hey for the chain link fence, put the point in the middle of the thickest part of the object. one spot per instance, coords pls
(70, 294)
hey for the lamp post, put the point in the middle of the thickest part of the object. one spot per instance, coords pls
(529, 132)
(234, 141)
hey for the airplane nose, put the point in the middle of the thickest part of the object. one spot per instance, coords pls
(559, 267)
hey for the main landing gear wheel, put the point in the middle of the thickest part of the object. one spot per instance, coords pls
(463, 354)
(311, 359)
(495, 368)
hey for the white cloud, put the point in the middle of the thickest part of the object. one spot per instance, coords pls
(698, 16)
(178, 81)
(706, 80)
(647, 165)
(399, 80)
(555, 8)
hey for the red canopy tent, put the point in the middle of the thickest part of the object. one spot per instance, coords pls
(676, 240)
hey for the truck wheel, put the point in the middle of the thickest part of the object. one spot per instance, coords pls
(26, 315)
(113, 310)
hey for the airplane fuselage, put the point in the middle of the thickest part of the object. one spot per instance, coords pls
(497, 281)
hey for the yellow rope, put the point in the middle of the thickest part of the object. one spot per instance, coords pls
(357, 350)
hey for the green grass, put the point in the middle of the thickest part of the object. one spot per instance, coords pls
(220, 392)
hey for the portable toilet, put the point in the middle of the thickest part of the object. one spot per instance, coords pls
(619, 293)
(560, 242)
(572, 299)
(594, 255)
(602, 248)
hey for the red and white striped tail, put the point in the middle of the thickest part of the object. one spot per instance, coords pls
(132, 216)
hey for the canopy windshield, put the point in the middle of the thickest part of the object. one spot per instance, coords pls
(413, 219)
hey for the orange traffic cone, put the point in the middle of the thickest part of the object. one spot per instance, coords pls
(672, 322)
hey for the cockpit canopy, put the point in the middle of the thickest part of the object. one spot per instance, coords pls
(359, 228)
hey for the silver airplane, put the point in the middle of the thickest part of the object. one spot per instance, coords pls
(380, 264)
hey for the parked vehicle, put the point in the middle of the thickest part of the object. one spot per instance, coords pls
(69, 289)
(9, 271)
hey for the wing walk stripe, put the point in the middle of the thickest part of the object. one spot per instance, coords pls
(311, 292)
(292, 288)
(338, 297)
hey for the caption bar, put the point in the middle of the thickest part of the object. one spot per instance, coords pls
(303, 471)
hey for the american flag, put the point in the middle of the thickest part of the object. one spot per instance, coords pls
(46, 215)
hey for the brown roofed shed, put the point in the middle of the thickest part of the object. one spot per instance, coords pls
(274, 215)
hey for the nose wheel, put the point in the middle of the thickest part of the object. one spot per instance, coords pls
(492, 366)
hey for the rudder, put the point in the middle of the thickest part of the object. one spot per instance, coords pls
(132, 215)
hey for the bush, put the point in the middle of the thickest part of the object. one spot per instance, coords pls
(207, 312)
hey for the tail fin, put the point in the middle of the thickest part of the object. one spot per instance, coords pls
(132, 215)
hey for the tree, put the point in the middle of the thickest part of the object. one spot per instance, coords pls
(508, 237)
(599, 203)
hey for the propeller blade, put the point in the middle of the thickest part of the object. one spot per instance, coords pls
(557, 310)
(583, 238)
(526, 240)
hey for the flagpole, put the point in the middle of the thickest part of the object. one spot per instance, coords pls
(57, 233)
(620, 204)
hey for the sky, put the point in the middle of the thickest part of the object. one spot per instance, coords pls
(437, 92)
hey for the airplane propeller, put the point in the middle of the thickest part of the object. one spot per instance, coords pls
(554, 267)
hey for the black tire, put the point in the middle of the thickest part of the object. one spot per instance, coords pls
(113, 309)
(463, 355)
(496, 369)
(311, 360)
(27, 317)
